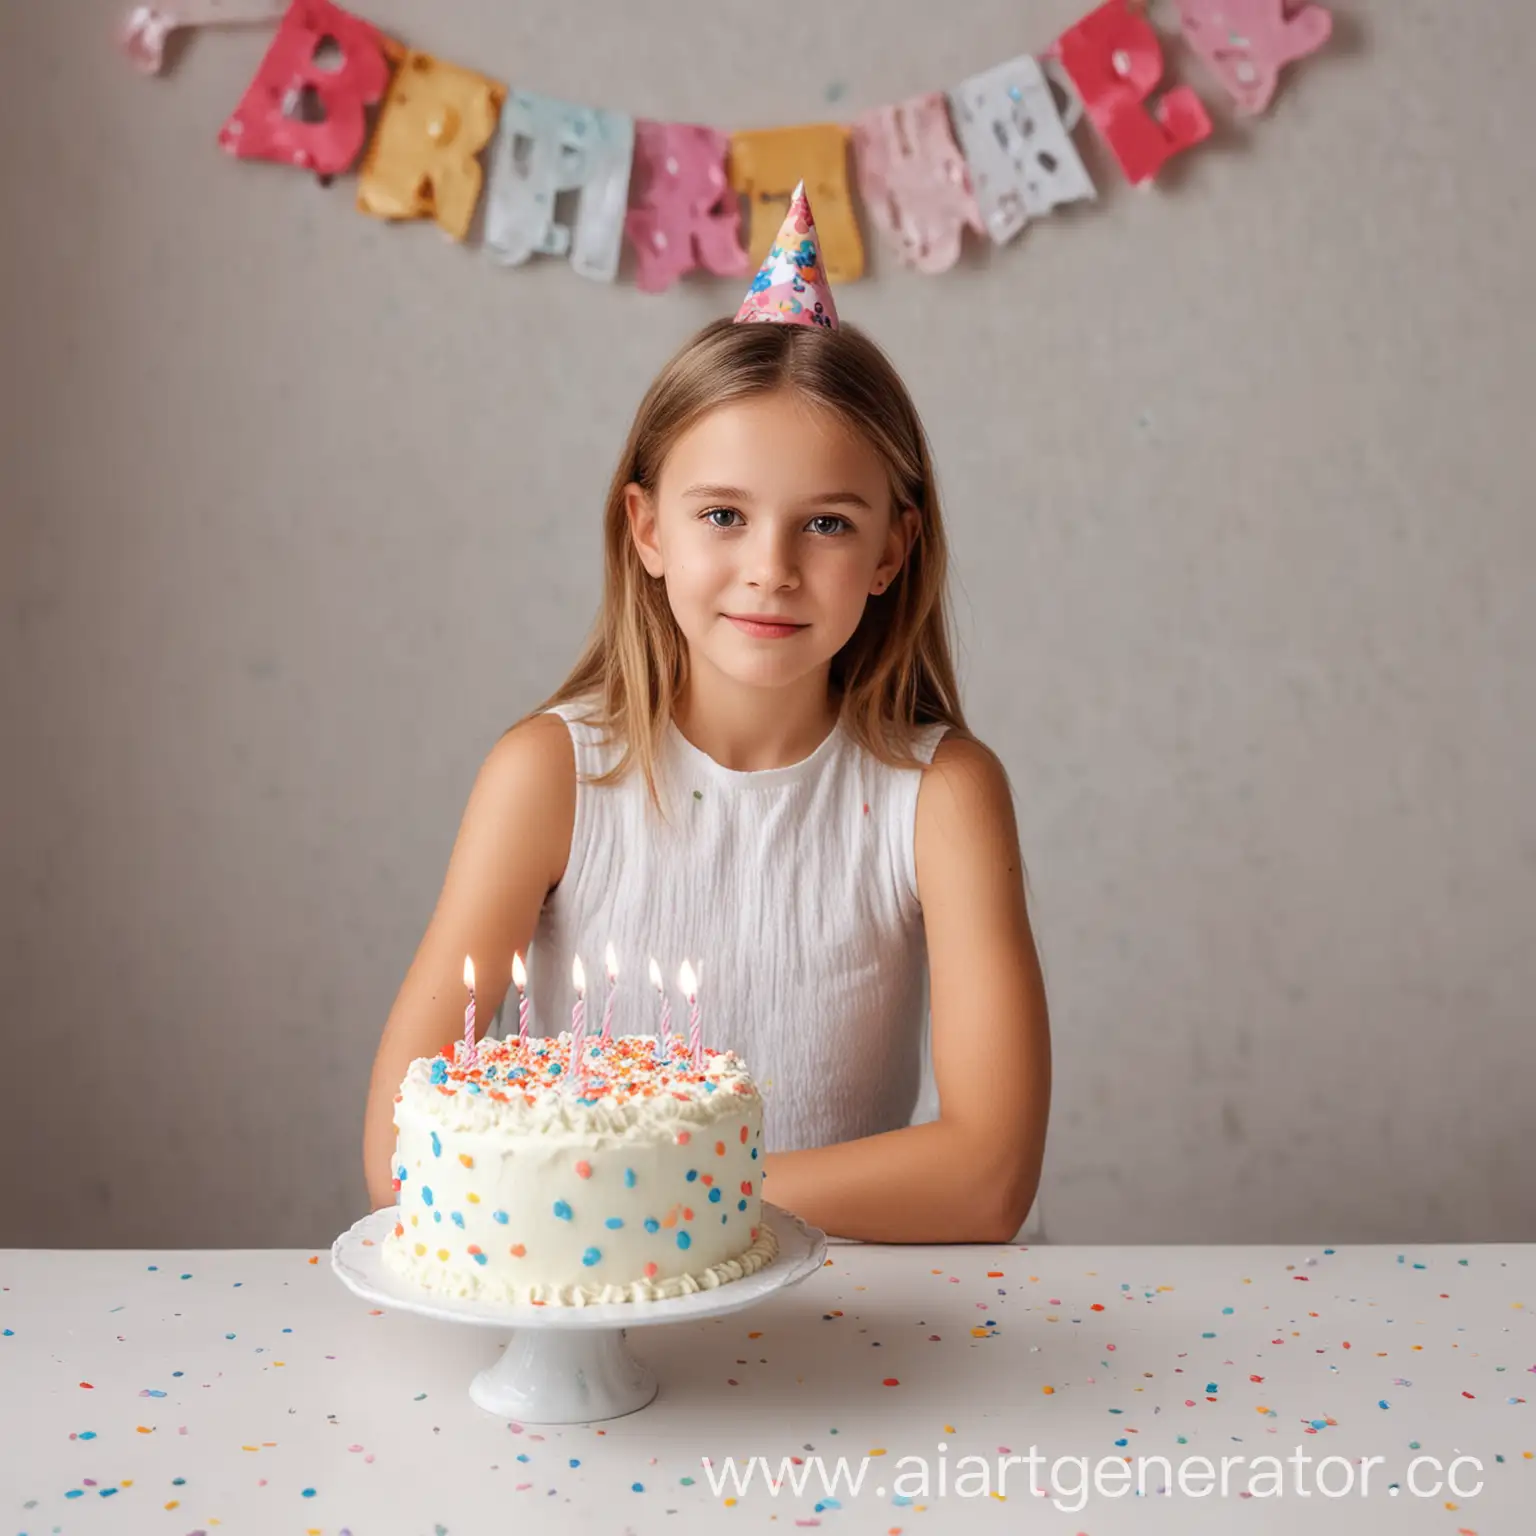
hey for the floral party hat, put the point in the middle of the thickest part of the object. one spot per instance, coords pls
(791, 286)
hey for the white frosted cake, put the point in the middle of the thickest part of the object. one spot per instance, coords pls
(635, 1179)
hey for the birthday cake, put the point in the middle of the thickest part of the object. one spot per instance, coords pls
(636, 1177)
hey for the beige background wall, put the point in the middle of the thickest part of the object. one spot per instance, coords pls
(300, 510)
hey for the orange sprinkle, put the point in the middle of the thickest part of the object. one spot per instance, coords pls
(517, 1250)
(466, 1159)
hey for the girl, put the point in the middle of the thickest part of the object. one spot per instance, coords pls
(760, 764)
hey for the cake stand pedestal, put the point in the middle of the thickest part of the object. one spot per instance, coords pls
(568, 1365)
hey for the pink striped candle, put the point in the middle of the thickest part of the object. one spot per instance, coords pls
(470, 1051)
(520, 981)
(689, 983)
(578, 1016)
(613, 986)
(663, 1030)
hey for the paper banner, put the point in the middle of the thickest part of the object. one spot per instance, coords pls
(683, 211)
(1022, 159)
(914, 182)
(307, 105)
(148, 27)
(1113, 58)
(545, 147)
(1246, 43)
(422, 163)
(765, 165)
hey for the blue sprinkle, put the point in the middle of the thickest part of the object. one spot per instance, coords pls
(10, 1333)
(714, 1197)
(178, 1482)
(1122, 1442)
(723, 1218)
(637, 1487)
(426, 1194)
(1319, 1423)
(401, 1174)
(309, 1493)
(1383, 1403)
(652, 1225)
(502, 1217)
(437, 1216)
(1211, 1386)
(439, 1072)
(741, 1205)
(107, 1493)
(1227, 1311)
(575, 1461)
(683, 1240)
(562, 1210)
(479, 1258)
(87, 1434)
(692, 1174)
(614, 1223)
(629, 1178)
(75, 1493)
(590, 1257)
(437, 1146)
(156, 1392)
(458, 1220)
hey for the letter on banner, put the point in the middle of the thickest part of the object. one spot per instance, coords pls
(682, 211)
(1114, 60)
(1246, 43)
(545, 147)
(1022, 159)
(914, 181)
(423, 161)
(305, 108)
(766, 163)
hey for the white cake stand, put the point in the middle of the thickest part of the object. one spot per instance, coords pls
(569, 1365)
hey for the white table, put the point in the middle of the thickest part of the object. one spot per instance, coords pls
(249, 1391)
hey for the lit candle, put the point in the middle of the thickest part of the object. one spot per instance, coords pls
(688, 981)
(520, 981)
(578, 1013)
(665, 1026)
(613, 985)
(469, 1014)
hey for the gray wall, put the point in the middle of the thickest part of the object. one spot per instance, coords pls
(300, 511)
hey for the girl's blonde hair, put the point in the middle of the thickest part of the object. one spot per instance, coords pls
(895, 672)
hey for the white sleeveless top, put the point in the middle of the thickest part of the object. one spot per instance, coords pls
(793, 891)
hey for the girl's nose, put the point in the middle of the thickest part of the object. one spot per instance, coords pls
(771, 561)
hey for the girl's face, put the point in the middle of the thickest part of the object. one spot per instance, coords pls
(769, 508)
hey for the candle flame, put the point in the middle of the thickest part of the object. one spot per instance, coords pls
(687, 981)
(612, 961)
(578, 976)
(469, 973)
(655, 974)
(519, 975)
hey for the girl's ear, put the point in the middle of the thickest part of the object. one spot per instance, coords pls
(904, 531)
(641, 512)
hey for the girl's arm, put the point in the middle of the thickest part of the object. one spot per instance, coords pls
(971, 1175)
(511, 848)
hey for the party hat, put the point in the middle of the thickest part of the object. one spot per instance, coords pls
(791, 286)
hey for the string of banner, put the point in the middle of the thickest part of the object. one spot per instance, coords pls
(333, 92)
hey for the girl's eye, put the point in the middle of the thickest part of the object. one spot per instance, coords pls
(843, 525)
(715, 512)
